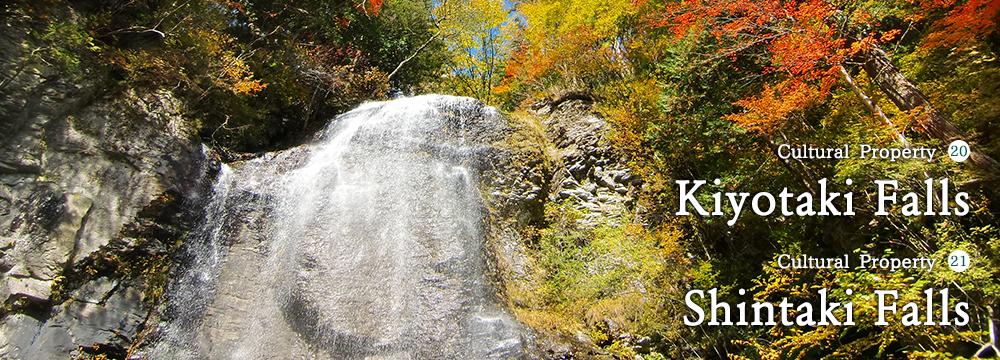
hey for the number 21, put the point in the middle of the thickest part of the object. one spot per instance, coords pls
(955, 260)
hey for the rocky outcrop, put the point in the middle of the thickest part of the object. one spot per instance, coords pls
(588, 171)
(556, 154)
(92, 187)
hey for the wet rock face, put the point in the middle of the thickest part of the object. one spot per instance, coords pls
(103, 316)
(364, 244)
(77, 171)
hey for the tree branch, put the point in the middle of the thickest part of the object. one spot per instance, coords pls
(415, 52)
(872, 105)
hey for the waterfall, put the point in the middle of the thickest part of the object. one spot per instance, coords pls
(364, 244)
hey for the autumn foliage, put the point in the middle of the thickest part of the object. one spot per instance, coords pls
(692, 89)
(963, 24)
(701, 89)
(800, 44)
(567, 45)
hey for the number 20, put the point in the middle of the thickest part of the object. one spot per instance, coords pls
(958, 150)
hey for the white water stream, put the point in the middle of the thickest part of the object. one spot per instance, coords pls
(365, 244)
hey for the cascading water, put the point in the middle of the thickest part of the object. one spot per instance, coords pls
(365, 244)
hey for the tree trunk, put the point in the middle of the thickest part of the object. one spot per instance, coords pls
(900, 137)
(907, 96)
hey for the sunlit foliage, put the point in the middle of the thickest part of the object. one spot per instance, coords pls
(708, 89)
(478, 34)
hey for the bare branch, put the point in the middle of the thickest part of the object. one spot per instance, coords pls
(872, 105)
(415, 53)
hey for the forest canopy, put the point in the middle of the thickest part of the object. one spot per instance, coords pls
(711, 89)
